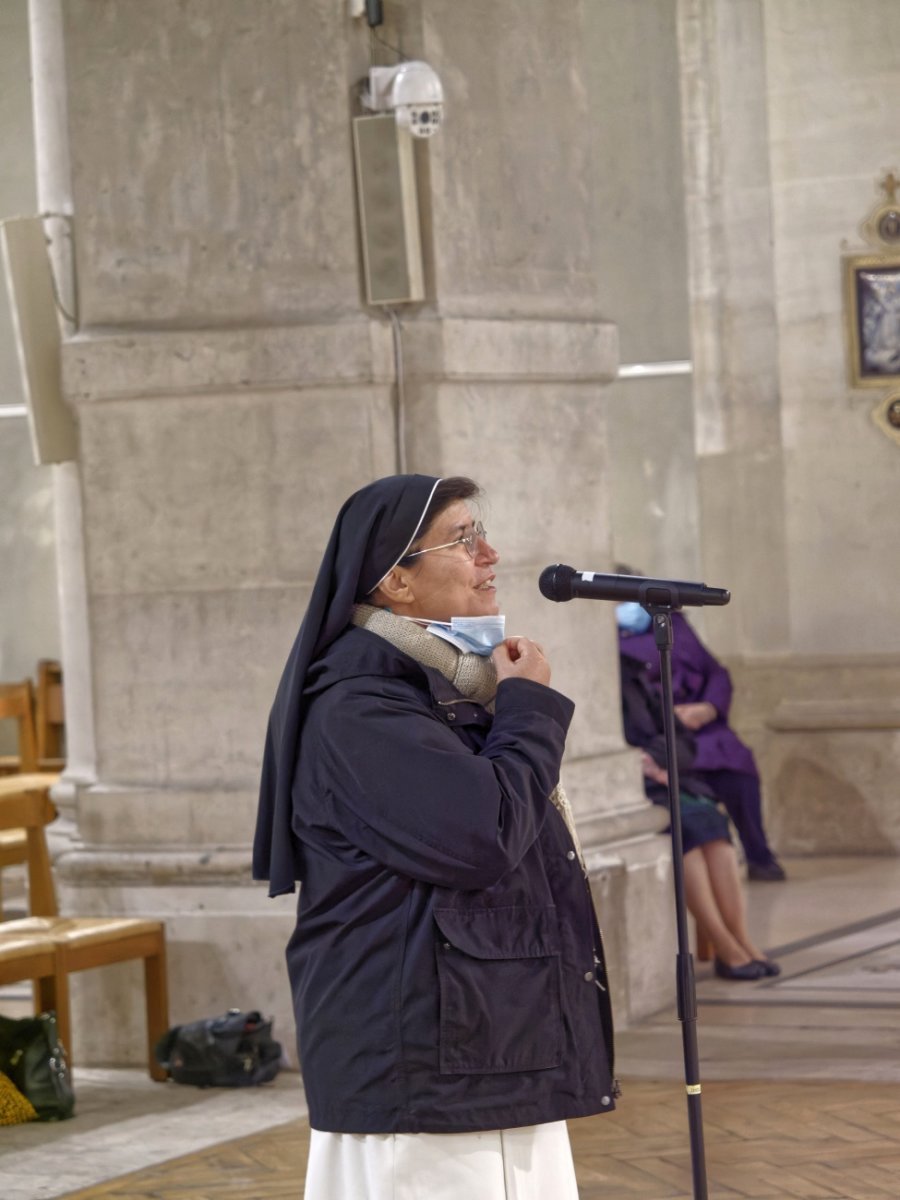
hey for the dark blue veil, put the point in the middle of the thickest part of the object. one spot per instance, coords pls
(373, 530)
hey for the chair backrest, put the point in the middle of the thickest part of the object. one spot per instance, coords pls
(50, 722)
(17, 703)
(25, 804)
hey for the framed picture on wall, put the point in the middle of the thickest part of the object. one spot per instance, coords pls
(872, 316)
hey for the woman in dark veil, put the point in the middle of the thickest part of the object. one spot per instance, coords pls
(447, 970)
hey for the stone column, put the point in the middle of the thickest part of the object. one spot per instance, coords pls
(507, 366)
(797, 486)
(55, 199)
(737, 413)
(233, 389)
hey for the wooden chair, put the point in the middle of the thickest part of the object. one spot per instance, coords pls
(49, 716)
(17, 703)
(13, 852)
(34, 957)
(40, 742)
(79, 943)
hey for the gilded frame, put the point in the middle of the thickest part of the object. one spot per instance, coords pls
(872, 319)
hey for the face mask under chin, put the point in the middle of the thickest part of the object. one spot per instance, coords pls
(472, 635)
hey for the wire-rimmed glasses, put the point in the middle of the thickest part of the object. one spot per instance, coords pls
(470, 540)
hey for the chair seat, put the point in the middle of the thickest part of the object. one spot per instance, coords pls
(36, 959)
(79, 931)
(17, 946)
(12, 784)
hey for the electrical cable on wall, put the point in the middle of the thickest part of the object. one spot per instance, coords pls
(375, 17)
(70, 234)
(400, 405)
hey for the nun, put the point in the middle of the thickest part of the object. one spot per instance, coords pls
(447, 970)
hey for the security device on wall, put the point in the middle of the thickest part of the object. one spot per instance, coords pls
(412, 91)
(405, 101)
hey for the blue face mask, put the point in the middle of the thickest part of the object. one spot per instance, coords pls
(631, 618)
(472, 635)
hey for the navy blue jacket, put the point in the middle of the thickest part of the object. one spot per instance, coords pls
(446, 966)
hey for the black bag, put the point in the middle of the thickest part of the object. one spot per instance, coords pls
(32, 1056)
(234, 1050)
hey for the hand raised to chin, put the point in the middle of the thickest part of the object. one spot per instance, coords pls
(521, 658)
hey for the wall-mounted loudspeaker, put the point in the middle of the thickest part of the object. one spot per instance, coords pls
(388, 211)
(38, 340)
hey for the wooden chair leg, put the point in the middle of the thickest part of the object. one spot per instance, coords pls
(704, 945)
(52, 995)
(157, 990)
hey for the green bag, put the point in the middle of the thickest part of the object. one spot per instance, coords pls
(32, 1055)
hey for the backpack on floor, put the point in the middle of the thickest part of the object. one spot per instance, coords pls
(234, 1050)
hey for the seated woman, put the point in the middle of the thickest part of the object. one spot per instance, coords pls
(712, 882)
(702, 690)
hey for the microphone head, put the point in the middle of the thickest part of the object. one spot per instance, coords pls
(556, 582)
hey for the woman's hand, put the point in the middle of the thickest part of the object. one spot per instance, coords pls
(652, 770)
(696, 715)
(520, 658)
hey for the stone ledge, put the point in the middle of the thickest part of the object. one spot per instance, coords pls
(201, 867)
(128, 818)
(100, 367)
(466, 348)
(602, 833)
(178, 362)
(808, 716)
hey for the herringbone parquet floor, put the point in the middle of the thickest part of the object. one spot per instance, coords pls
(819, 1141)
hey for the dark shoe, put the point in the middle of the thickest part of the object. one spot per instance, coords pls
(769, 967)
(772, 872)
(749, 970)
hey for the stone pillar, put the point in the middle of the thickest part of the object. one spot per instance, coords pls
(733, 323)
(55, 199)
(232, 390)
(798, 488)
(508, 368)
(28, 611)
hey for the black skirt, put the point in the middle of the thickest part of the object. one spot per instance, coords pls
(702, 820)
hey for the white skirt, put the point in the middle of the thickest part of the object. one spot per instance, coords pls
(531, 1163)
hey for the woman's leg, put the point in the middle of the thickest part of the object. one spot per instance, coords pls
(701, 900)
(741, 796)
(724, 878)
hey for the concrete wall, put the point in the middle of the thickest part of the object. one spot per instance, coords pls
(29, 624)
(232, 389)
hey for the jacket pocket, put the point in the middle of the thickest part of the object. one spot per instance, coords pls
(499, 980)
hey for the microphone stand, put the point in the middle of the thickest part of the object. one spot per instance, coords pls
(687, 997)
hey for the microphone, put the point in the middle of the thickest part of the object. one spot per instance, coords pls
(560, 583)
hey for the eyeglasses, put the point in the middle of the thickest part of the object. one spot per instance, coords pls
(470, 540)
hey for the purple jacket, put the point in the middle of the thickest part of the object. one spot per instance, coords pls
(696, 676)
